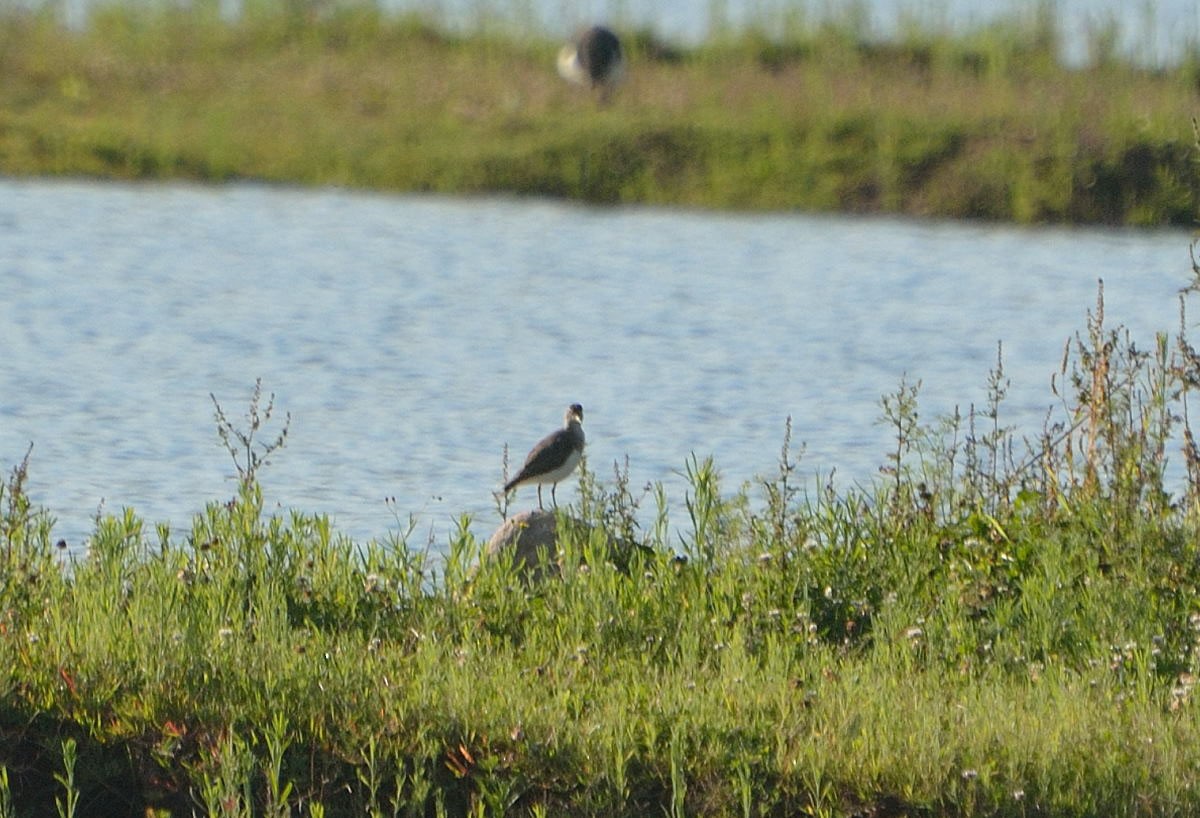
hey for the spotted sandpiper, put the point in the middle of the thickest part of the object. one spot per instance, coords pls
(594, 59)
(554, 457)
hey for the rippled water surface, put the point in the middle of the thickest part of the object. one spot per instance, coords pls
(410, 338)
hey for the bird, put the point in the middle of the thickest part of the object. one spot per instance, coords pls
(593, 59)
(554, 457)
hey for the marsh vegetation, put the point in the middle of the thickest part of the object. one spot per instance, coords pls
(813, 115)
(997, 626)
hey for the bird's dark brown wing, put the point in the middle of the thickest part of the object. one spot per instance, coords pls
(599, 52)
(549, 453)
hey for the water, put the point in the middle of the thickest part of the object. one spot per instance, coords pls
(411, 337)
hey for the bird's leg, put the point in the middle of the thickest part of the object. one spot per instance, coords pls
(540, 506)
(553, 498)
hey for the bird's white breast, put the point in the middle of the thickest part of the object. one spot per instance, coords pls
(569, 67)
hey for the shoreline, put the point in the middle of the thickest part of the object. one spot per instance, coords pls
(942, 129)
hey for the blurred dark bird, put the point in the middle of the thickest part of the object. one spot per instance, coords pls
(554, 457)
(594, 59)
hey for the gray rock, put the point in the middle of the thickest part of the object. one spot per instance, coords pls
(532, 537)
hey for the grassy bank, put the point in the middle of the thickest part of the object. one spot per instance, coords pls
(996, 628)
(987, 124)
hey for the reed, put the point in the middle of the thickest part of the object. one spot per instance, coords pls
(816, 115)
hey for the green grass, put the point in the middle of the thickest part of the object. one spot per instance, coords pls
(982, 124)
(989, 630)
